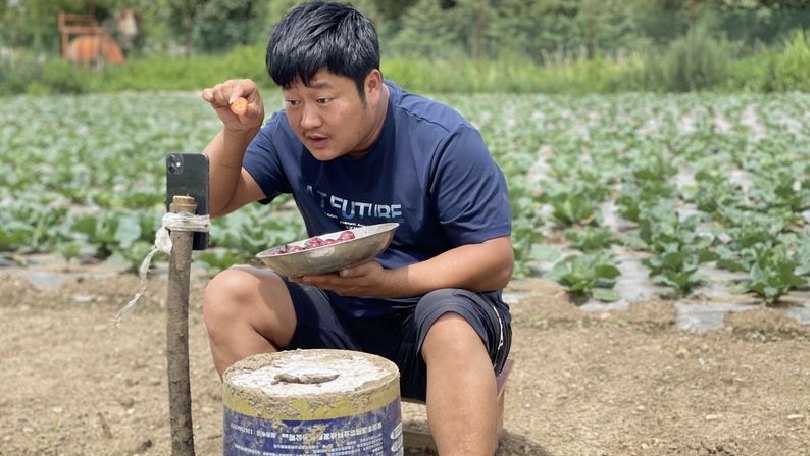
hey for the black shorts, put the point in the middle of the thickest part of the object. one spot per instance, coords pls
(327, 320)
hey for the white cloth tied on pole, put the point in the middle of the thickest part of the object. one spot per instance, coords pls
(177, 221)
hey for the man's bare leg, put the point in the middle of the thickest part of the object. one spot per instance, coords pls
(462, 404)
(246, 311)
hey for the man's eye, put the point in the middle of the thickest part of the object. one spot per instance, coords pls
(293, 102)
(323, 100)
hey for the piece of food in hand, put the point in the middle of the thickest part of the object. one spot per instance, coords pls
(239, 106)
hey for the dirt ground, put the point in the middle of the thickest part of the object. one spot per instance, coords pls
(620, 382)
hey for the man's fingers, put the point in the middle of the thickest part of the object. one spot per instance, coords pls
(225, 93)
(360, 270)
(240, 88)
(214, 96)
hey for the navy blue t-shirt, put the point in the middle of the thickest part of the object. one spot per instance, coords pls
(429, 171)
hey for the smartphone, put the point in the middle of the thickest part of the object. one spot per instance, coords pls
(187, 175)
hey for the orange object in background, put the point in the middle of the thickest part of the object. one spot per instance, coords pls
(84, 41)
(92, 48)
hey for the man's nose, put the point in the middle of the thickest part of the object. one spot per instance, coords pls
(310, 118)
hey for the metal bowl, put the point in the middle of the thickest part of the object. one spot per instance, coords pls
(368, 242)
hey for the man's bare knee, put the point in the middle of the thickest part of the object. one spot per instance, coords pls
(243, 297)
(246, 311)
(450, 334)
(227, 292)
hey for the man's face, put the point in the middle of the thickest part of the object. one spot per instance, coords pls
(329, 116)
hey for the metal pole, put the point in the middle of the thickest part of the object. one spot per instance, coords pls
(179, 382)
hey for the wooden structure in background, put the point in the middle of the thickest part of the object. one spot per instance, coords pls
(84, 40)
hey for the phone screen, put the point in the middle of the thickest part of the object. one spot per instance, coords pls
(187, 175)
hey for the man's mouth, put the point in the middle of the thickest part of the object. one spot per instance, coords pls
(317, 141)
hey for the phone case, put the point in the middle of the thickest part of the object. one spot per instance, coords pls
(187, 175)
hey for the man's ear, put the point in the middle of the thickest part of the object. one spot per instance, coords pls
(373, 85)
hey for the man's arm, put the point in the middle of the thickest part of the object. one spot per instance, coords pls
(231, 187)
(484, 266)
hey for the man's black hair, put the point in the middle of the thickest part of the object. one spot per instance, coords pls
(322, 35)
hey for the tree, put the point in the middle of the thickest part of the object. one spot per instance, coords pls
(429, 30)
(392, 10)
(212, 25)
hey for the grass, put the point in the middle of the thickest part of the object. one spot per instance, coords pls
(783, 68)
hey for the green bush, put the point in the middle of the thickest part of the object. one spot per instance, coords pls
(598, 75)
(62, 77)
(28, 73)
(791, 67)
(774, 70)
(693, 62)
(513, 75)
(754, 73)
(460, 75)
(16, 73)
(186, 73)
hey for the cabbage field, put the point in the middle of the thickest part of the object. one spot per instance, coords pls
(696, 188)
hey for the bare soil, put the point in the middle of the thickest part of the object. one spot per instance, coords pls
(620, 382)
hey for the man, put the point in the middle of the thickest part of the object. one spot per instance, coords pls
(354, 149)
